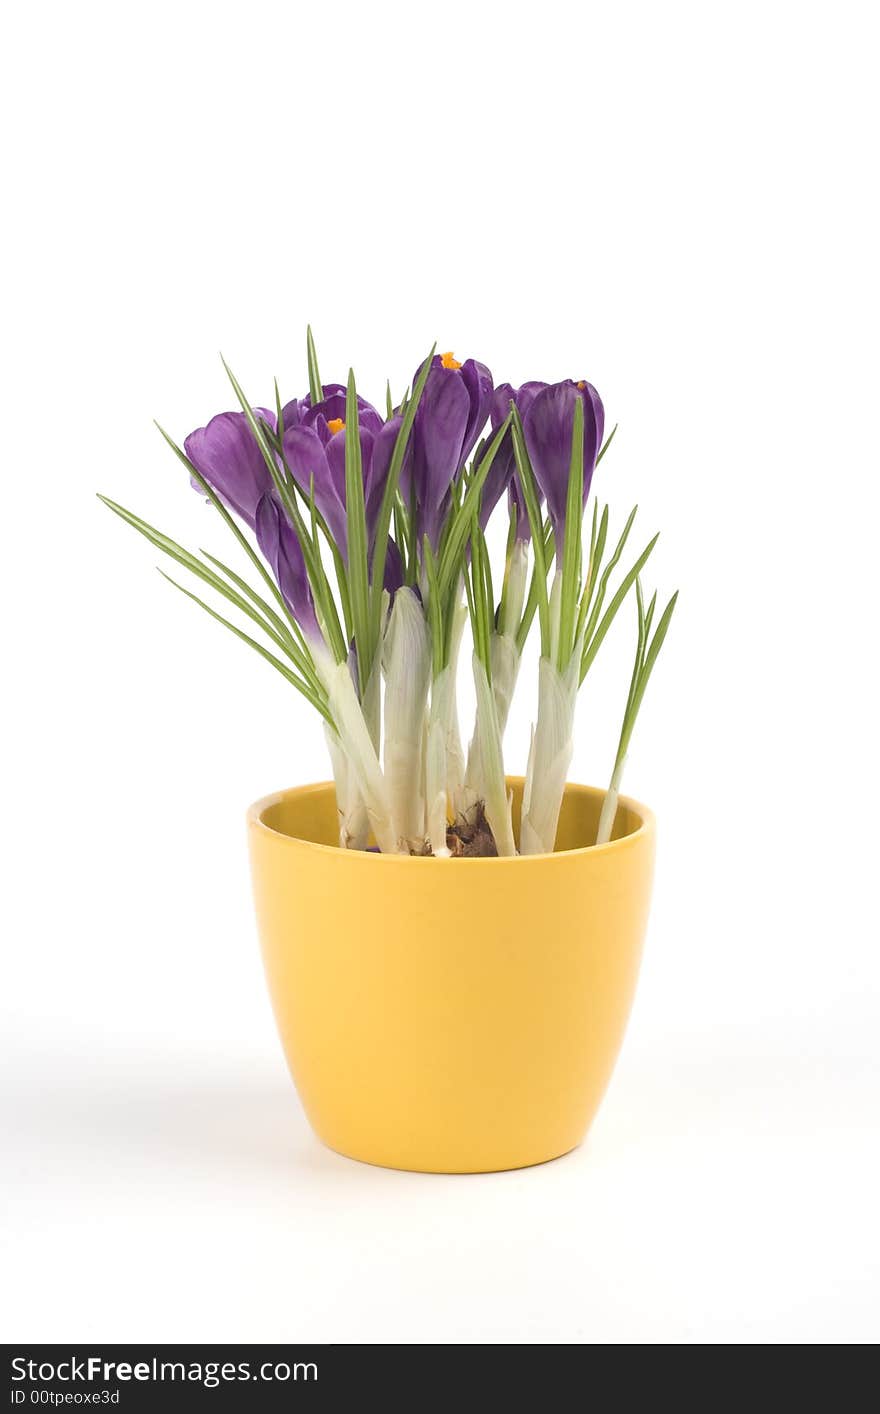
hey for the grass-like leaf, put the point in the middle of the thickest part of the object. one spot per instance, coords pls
(356, 526)
(650, 658)
(296, 647)
(230, 523)
(594, 643)
(531, 604)
(606, 444)
(599, 583)
(201, 571)
(536, 524)
(571, 549)
(283, 482)
(285, 672)
(389, 496)
(316, 388)
(459, 524)
(435, 609)
(478, 587)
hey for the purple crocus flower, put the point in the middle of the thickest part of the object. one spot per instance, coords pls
(308, 455)
(311, 459)
(328, 416)
(227, 456)
(281, 549)
(503, 475)
(314, 446)
(377, 468)
(548, 425)
(451, 414)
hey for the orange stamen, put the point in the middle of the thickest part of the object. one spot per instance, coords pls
(336, 424)
(448, 361)
(582, 384)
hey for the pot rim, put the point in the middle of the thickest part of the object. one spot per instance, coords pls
(631, 841)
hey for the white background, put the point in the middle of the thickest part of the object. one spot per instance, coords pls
(676, 201)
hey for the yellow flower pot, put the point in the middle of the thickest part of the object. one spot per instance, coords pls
(450, 1015)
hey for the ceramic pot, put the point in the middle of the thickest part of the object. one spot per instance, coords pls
(450, 1015)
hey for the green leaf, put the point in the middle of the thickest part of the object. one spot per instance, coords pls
(508, 552)
(592, 646)
(651, 656)
(435, 609)
(602, 584)
(606, 444)
(536, 524)
(195, 566)
(458, 527)
(285, 672)
(392, 481)
(321, 582)
(650, 613)
(356, 525)
(316, 389)
(640, 653)
(480, 600)
(571, 549)
(324, 605)
(531, 603)
(296, 647)
(598, 550)
(642, 669)
(231, 525)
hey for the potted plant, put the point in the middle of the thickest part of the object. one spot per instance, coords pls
(451, 953)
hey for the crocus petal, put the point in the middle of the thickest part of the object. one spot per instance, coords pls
(438, 436)
(478, 381)
(526, 394)
(307, 458)
(292, 413)
(503, 474)
(327, 391)
(548, 425)
(281, 549)
(335, 450)
(333, 408)
(393, 568)
(516, 502)
(499, 406)
(593, 402)
(376, 474)
(498, 479)
(227, 456)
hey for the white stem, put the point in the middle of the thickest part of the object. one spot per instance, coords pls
(505, 660)
(609, 804)
(515, 589)
(455, 763)
(356, 742)
(496, 801)
(555, 613)
(372, 706)
(550, 755)
(354, 823)
(444, 758)
(436, 759)
(407, 677)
